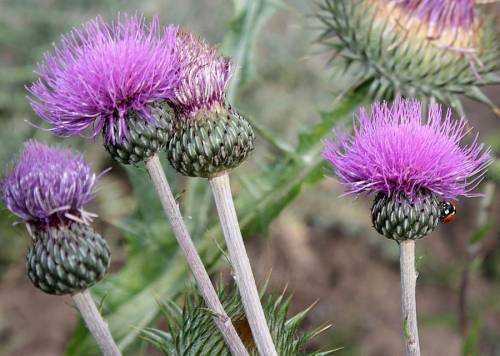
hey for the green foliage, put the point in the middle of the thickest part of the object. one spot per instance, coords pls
(479, 233)
(471, 342)
(241, 37)
(494, 169)
(192, 331)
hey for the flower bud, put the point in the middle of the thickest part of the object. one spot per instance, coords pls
(402, 219)
(207, 136)
(216, 141)
(67, 259)
(143, 139)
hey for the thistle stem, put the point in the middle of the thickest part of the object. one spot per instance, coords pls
(221, 190)
(194, 261)
(95, 323)
(408, 301)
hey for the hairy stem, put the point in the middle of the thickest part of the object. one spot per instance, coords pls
(194, 261)
(244, 277)
(408, 301)
(95, 323)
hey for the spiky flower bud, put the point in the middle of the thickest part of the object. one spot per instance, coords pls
(401, 219)
(115, 78)
(208, 136)
(436, 49)
(411, 164)
(67, 259)
(48, 188)
(218, 140)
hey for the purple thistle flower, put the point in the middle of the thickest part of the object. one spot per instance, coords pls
(205, 76)
(100, 72)
(395, 151)
(48, 185)
(442, 14)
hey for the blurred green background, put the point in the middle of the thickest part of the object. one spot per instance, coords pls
(321, 245)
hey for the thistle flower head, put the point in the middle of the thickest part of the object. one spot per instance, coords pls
(205, 76)
(433, 50)
(47, 185)
(103, 70)
(394, 151)
(441, 14)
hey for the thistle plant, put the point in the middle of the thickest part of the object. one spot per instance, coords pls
(116, 80)
(190, 330)
(48, 188)
(414, 167)
(433, 50)
(207, 139)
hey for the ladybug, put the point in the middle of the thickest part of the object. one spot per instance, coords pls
(448, 212)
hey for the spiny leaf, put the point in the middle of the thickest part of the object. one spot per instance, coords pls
(471, 342)
(195, 332)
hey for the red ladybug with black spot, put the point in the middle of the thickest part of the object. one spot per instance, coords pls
(448, 212)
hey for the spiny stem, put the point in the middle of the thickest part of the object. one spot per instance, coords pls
(244, 277)
(194, 261)
(95, 323)
(408, 301)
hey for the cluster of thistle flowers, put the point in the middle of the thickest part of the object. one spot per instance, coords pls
(145, 88)
(412, 161)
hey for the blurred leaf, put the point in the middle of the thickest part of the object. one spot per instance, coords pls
(494, 170)
(471, 343)
(197, 204)
(479, 233)
(494, 141)
(239, 41)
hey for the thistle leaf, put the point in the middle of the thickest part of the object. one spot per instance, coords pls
(195, 333)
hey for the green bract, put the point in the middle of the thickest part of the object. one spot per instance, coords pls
(399, 218)
(144, 139)
(67, 259)
(210, 143)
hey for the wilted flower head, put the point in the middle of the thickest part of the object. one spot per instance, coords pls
(100, 72)
(48, 185)
(205, 75)
(393, 150)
